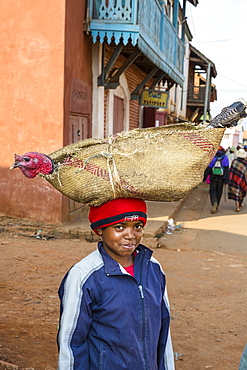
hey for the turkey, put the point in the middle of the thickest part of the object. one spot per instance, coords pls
(157, 164)
(229, 116)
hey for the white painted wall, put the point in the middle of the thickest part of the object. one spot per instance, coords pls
(98, 94)
(178, 93)
(232, 136)
(122, 91)
(186, 81)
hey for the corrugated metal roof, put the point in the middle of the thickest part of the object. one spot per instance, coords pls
(204, 59)
(194, 2)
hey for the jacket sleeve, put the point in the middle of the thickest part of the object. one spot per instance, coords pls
(225, 164)
(169, 362)
(165, 350)
(207, 172)
(226, 174)
(75, 321)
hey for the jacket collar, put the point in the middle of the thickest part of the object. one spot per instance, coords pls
(220, 154)
(112, 267)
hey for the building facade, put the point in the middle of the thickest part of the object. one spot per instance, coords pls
(77, 69)
(46, 77)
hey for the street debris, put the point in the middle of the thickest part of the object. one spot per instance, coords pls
(41, 235)
(177, 355)
(171, 226)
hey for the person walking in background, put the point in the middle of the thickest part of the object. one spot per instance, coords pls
(218, 170)
(231, 154)
(238, 179)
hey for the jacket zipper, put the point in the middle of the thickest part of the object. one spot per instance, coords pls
(141, 291)
(143, 322)
(143, 326)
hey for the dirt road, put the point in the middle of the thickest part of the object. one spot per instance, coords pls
(208, 283)
(205, 264)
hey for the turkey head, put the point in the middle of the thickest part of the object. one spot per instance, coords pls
(33, 163)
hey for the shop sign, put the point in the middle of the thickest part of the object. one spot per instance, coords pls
(154, 98)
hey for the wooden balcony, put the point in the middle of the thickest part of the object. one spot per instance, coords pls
(196, 95)
(143, 24)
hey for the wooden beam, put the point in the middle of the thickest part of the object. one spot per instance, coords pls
(135, 94)
(102, 79)
(114, 80)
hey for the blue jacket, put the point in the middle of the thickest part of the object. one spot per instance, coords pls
(111, 320)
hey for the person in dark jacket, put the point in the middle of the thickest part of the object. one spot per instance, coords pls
(217, 181)
(114, 307)
(238, 179)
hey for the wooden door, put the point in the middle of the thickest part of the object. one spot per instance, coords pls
(118, 114)
(149, 117)
(78, 130)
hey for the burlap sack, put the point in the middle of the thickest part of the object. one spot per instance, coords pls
(158, 164)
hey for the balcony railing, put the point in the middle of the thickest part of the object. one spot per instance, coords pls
(196, 94)
(144, 24)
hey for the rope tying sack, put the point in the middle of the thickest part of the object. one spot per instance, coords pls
(115, 180)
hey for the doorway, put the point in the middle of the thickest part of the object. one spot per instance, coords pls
(118, 114)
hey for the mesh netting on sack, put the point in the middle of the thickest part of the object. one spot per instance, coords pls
(157, 164)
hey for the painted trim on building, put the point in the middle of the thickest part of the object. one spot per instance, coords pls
(123, 92)
(97, 94)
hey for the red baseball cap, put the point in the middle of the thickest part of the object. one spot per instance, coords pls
(117, 210)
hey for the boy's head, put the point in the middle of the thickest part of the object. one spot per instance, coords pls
(117, 210)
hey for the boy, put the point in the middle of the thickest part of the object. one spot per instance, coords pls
(114, 307)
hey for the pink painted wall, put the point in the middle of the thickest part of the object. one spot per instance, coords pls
(78, 67)
(31, 104)
(78, 56)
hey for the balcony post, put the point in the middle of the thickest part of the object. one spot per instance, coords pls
(183, 20)
(134, 11)
(208, 83)
(175, 14)
(162, 4)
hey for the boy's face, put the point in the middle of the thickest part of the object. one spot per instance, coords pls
(121, 239)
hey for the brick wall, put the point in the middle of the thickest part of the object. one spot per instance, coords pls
(134, 77)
